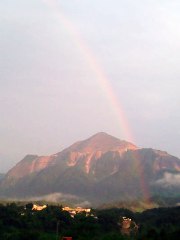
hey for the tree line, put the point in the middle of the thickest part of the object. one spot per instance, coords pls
(20, 222)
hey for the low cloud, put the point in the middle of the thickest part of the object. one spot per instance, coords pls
(83, 204)
(169, 179)
(58, 197)
(55, 197)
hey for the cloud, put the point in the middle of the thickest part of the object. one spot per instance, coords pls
(55, 197)
(169, 179)
(61, 197)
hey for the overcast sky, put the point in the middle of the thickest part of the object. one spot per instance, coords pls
(56, 57)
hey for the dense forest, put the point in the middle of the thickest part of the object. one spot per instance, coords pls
(20, 222)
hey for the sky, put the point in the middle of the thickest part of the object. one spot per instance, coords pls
(72, 68)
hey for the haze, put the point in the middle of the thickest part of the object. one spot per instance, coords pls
(56, 58)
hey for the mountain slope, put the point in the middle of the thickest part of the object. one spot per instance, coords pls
(99, 169)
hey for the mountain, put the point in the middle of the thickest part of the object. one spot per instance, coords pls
(2, 175)
(98, 170)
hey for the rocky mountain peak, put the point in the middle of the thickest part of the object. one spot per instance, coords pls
(102, 142)
(99, 169)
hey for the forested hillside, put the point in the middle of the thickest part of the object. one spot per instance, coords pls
(23, 223)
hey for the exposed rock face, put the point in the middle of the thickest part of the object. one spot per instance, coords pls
(30, 164)
(164, 161)
(88, 153)
(101, 142)
(101, 168)
(84, 154)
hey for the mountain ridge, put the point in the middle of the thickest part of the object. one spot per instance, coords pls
(99, 169)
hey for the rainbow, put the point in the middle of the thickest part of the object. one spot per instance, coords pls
(96, 68)
(102, 80)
